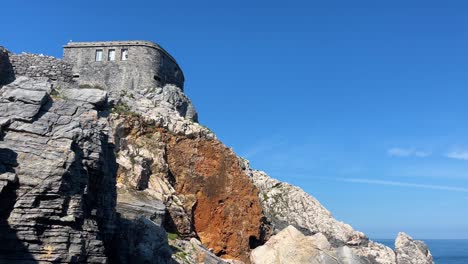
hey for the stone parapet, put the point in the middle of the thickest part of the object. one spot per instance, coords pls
(33, 65)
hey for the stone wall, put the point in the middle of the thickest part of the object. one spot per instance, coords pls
(6, 69)
(33, 65)
(148, 66)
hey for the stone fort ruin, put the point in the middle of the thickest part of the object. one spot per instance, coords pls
(122, 65)
(128, 70)
(114, 66)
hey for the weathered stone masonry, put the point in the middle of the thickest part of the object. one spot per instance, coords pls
(33, 65)
(119, 66)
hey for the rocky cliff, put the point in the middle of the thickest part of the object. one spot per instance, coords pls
(58, 200)
(138, 180)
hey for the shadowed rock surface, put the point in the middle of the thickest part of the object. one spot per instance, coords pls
(64, 199)
(6, 69)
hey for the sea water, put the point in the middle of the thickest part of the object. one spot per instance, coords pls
(444, 251)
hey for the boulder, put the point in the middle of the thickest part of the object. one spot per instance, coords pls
(290, 246)
(285, 204)
(95, 97)
(410, 251)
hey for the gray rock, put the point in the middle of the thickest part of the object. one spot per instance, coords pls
(142, 241)
(6, 69)
(131, 207)
(290, 246)
(59, 169)
(93, 96)
(409, 251)
(284, 204)
(23, 95)
(34, 65)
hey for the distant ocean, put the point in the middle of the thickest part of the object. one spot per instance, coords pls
(444, 251)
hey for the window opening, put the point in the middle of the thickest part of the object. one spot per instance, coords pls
(124, 54)
(99, 55)
(111, 55)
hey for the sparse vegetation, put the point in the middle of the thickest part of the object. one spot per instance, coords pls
(123, 109)
(181, 255)
(207, 128)
(89, 86)
(55, 94)
(172, 236)
(132, 160)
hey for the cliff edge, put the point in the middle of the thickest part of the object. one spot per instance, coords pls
(136, 179)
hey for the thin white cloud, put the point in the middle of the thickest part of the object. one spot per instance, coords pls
(422, 154)
(460, 155)
(406, 184)
(404, 152)
(263, 146)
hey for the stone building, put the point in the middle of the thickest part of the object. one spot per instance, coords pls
(119, 66)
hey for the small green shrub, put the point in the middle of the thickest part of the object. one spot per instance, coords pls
(172, 236)
(89, 86)
(123, 109)
(55, 94)
(84, 86)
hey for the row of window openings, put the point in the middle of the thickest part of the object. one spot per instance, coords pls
(111, 55)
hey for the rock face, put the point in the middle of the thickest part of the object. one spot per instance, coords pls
(89, 178)
(291, 246)
(285, 204)
(227, 213)
(6, 69)
(199, 180)
(58, 203)
(409, 251)
(168, 103)
(141, 241)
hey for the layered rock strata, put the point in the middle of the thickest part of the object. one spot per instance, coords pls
(58, 204)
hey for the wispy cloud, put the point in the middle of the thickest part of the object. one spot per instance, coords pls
(406, 184)
(405, 152)
(263, 146)
(460, 155)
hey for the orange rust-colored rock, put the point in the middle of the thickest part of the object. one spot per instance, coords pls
(227, 215)
(215, 199)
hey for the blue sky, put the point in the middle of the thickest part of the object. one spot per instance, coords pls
(363, 104)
